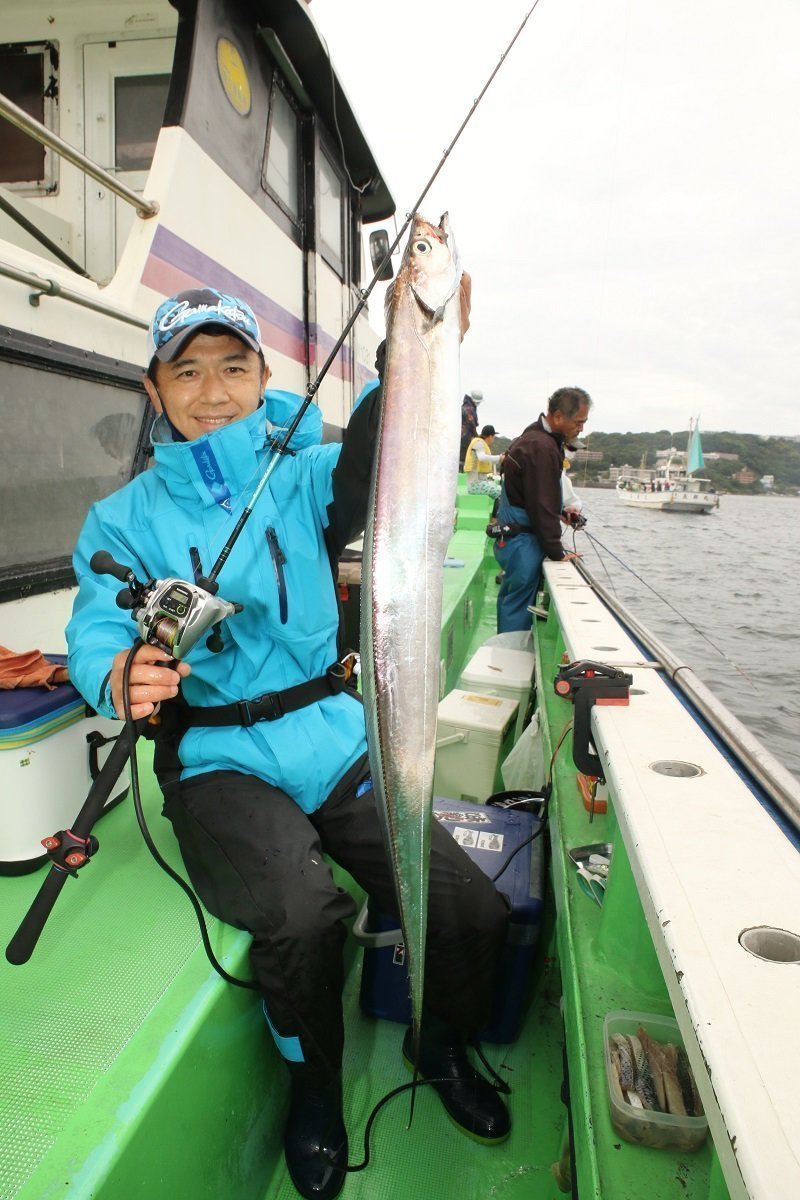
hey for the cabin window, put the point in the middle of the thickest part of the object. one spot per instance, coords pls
(29, 74)
(66, 442)
(139, 102)
(331, 236)
(281, 172)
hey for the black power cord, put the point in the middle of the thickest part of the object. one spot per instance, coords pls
(151, 846)
(499, 1084)
(542, 814)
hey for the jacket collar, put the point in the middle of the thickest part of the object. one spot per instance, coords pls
(544, 425)
(225, 460)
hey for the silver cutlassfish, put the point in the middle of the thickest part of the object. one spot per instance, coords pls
(408, 528)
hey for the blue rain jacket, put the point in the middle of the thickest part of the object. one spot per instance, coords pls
(287, 632)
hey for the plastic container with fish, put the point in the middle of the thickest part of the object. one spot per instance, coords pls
(673, 1086)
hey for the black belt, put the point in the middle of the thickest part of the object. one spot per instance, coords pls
(273, 705)
(503, 530)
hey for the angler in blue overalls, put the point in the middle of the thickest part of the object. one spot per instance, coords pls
(531, 504)
(258, 791)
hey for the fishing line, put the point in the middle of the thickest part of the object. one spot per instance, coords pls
(677, 612)
(313, 387)
(600, 558)
(602, 562)
(356, 187)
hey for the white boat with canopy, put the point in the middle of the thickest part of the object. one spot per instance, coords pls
(674, 485)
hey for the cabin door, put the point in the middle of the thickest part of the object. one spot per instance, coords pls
(125, 93)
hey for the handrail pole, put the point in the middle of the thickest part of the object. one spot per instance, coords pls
(40, 133)
(50, 287)
(778, 783)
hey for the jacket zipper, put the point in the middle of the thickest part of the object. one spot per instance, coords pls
(278, 560)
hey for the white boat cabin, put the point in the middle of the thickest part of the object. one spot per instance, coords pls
(145, 150)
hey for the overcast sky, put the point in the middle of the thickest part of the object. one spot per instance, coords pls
(625, 197)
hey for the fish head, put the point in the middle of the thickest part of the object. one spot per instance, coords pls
(431, 265)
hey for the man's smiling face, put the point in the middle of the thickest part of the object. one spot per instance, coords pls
(215, 380)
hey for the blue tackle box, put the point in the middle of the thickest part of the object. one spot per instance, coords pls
(489, 835)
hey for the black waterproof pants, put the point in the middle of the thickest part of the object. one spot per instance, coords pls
(256, 860)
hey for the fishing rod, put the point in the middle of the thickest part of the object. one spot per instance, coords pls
(281, 448)
(174, 614)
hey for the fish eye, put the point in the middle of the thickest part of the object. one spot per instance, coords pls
(422, 246)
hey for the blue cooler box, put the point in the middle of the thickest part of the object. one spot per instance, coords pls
(489, 835)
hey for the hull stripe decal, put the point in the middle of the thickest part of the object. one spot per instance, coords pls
(174, 265)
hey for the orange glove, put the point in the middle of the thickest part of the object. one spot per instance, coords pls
(29, 669)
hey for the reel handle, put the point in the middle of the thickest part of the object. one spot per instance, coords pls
(102, 563)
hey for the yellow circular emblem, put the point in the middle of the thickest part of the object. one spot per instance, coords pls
(233, 76)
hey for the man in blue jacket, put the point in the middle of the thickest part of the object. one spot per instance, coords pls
(531, 504)
(257, 793)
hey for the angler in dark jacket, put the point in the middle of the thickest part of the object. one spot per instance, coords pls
(531, 504)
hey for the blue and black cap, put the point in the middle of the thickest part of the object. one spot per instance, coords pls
(181, 317)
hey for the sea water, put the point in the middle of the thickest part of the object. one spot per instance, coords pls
(733, 575)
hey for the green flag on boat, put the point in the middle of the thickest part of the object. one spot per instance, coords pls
(694, 451)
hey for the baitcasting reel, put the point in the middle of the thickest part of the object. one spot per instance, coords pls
(170, 613)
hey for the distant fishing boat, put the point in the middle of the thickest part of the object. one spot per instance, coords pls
(673, 485)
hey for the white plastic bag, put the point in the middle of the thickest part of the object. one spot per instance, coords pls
(524, 767)
(517, 639)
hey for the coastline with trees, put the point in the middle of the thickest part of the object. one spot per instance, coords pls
(737, 463)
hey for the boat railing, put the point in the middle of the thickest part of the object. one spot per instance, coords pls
(40, 133)
(779, 784)
(51, 287)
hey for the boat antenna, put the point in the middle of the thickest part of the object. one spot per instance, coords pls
(280, 447)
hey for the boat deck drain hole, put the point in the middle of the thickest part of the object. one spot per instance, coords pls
(676, 769)
(605, 647)
(637, 692)
(773, 945)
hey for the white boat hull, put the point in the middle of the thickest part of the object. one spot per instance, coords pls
(671, 501)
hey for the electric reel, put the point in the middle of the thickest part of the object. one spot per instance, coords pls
(171, 613)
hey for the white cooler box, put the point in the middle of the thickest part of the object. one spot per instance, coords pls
(46, 768)
(474, 734)
(497, 671)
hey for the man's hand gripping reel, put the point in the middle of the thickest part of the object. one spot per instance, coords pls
(170, 613)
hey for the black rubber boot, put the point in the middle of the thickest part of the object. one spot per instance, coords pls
(315, 1133)
(472, 1104)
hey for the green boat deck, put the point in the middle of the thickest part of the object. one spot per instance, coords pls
(131, 1070)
